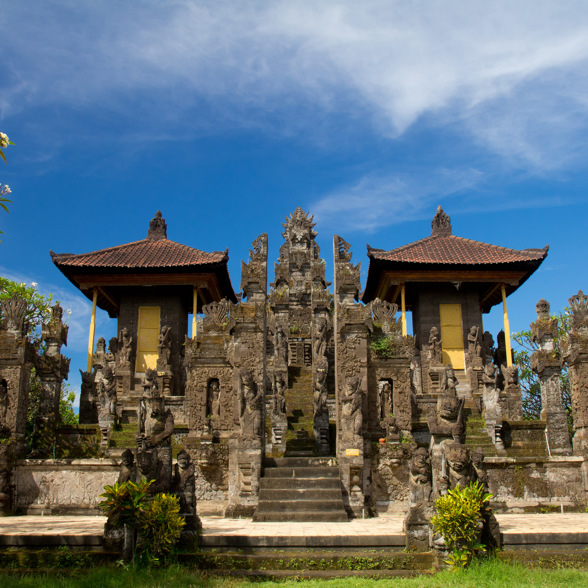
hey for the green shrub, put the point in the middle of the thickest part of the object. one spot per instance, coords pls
(160, 525)
(458, 520)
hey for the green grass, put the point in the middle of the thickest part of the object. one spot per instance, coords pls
(491, 573)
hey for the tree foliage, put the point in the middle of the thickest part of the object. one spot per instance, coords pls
(529, 381)
(38, 311)
(4, 188)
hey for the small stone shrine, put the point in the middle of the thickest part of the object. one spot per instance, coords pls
(310, 374)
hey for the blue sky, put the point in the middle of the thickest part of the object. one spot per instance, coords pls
(229, 115)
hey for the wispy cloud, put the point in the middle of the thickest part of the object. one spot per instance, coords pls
(377, 201)
(510, 73)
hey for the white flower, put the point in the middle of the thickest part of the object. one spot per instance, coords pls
(34, 284)
(68, 311)
(4, 140)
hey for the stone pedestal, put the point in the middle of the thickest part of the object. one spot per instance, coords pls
(245, 458)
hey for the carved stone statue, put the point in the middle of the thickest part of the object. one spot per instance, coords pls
(449, 382)
(385, 408)
(351, 409)
(420, 477)
(320, 387)
(320, 338)
(164, 349)
(125, 346)
(88, 399)
(249, 405)
(474, 348)
(184, 484)
(128, 468)
(458, 469)
(279, 404)
(281, 345)
(435, 351)
(488, 346)
(448, 420)
(107, 395)
(214, 399)
(156, 424)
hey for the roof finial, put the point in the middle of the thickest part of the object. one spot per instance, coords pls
(441, 223)
(157, 228)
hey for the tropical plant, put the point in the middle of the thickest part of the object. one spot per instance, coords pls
(458, 519)
(160, 525)
(122, 505)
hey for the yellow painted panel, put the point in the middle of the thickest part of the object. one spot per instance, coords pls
(148, 337)
(452, 335)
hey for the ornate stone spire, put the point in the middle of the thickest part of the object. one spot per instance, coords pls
(441, 223)
(157, 228)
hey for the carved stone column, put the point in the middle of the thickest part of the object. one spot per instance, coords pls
(546, 363)
(16, 355)
(576, 356)
(351, 325)
(52, 368)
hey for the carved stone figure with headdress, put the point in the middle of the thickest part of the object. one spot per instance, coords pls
(281, 345)
(128, 468)
(279, 404)
(385, 408)
(249, 405)
(447, 420)
(320, 338)
(458, 470)
(184, 484)
(449, 382)
(420, 477)
(107, 395)
(320, 387)
(435, 351)
(351, 409)
(125, 346)
(164, 349)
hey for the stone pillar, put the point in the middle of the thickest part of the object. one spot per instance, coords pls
(576, 356)
(52, 368)
(351, 326)
(246, 447)
(546, 363)
(16, 356)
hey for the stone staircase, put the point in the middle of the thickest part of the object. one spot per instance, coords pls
(476, 432)
(300, 489)
(299, 395)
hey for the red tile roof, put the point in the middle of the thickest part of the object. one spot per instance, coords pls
(147, 253)
(449, 249)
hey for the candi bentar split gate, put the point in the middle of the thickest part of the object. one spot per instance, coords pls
(298, 404)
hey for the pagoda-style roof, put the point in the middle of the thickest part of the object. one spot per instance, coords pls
(154, 261)
(444, 257)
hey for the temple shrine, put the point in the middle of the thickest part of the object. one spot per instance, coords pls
(307, 400)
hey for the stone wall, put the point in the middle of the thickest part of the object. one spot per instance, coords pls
(529, 483)
(65, 486)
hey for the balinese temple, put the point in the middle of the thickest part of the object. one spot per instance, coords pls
(146, 285)
(448, 283)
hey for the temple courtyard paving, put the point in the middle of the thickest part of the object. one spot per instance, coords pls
(519, 531)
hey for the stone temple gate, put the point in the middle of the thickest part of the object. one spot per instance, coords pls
(308, 401)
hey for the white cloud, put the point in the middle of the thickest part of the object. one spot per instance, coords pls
(380, 201)
(491, 64)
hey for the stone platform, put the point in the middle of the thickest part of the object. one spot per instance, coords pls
(568, 531)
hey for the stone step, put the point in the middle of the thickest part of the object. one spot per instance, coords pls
(292, 462)
(292, 506)
(300, 484)
(302, 472)
(301, 517)
(300, 494)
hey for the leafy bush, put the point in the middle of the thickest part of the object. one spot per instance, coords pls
(458, 520)
(383, 346)
(160, 525)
